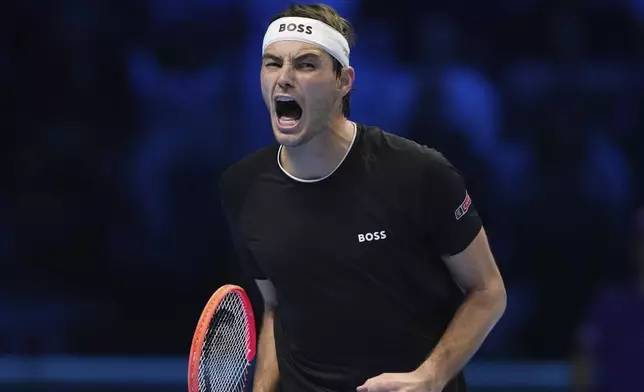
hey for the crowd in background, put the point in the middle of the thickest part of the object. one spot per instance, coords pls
(119, 117)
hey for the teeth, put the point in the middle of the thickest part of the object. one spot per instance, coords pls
(284, 99)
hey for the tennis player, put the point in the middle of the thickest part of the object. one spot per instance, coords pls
(373, 263)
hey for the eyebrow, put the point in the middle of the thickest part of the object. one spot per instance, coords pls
(308, 55)
(303, 56)
(268, 56)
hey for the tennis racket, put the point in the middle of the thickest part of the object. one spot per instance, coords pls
(224, 346)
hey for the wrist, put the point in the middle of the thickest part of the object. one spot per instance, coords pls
(431, 373)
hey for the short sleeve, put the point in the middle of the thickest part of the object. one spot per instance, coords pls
(231, 205)
(454, 221)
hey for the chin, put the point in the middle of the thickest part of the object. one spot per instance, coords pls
(291, 136)
(289, 140)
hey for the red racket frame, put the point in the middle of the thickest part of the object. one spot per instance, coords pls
(202, 327)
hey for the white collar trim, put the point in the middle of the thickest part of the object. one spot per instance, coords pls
(279, 163)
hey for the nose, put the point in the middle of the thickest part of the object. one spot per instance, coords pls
(285, 80)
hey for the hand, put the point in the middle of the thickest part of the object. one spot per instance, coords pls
(399, 382)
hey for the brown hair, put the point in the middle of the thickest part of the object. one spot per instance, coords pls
(331, 17)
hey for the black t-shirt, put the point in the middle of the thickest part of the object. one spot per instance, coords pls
(355, 258)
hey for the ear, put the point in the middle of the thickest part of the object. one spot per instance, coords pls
(345, 82)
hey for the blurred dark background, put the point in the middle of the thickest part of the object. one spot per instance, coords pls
(120, 116)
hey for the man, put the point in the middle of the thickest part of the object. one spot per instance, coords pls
(374, 266)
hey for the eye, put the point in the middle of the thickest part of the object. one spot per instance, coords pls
(272, 64)
(306, 66)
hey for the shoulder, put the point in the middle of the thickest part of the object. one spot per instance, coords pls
(238, 178)
(406, 153)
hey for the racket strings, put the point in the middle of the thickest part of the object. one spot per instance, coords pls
(219, 355)
(223, 362)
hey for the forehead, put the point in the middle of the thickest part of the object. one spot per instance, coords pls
(291, 49)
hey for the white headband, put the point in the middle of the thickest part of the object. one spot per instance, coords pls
(310, 31)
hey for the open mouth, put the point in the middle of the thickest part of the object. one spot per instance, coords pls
(288, 111)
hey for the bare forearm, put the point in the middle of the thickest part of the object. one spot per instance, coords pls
(266, 371)
(468, 329)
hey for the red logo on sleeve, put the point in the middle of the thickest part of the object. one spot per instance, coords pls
(465, 205)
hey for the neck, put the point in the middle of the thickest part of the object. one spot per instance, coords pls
(322, 154)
